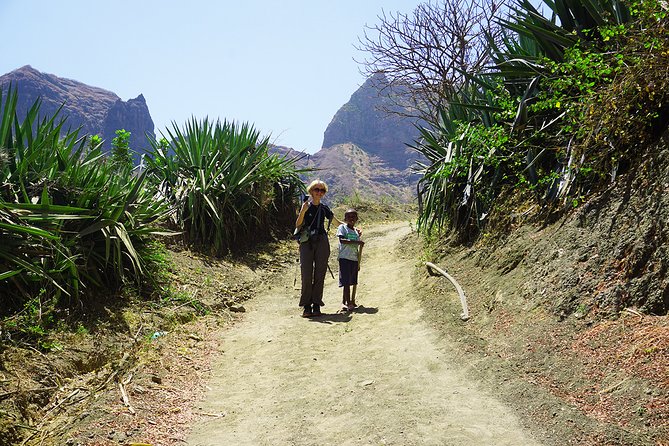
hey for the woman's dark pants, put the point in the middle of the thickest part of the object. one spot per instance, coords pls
(314, 256)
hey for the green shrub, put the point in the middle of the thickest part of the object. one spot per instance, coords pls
(566, 107)
(69, 219)
(226, 190)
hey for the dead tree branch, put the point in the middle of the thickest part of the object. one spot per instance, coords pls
(425, 53)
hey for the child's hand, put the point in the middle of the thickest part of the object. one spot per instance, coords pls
(359, 232)
(361, 243)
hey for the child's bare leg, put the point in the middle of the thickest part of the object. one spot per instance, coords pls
(346, 297)
(352, 300)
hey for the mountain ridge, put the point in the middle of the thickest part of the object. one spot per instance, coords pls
(364, 149)
(96, 110)
(373, 120)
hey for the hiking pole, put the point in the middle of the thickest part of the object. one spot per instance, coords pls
(330, 271)
(297, 264)
(355, 287)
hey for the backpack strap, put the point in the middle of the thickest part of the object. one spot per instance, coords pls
(316, 219)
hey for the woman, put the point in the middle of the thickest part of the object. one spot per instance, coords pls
(315, 251)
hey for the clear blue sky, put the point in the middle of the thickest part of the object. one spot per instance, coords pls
(285, 66)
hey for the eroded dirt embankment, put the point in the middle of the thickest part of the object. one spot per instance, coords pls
(577, 309)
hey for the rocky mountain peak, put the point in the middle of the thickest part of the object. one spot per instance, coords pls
(95, 110)
(366, 122)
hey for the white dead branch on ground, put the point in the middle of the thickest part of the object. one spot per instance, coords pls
(463, 300)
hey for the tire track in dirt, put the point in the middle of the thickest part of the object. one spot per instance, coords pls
(377, 376)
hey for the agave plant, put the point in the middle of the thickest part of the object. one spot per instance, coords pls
(459, 184)
(224, 185)
(465, 164)
(71, 220)
(568, 24)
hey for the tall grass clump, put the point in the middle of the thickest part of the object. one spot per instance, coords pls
(569, 100)
(69, 219)
(226, 190)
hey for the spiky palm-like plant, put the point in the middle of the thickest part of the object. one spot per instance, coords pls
(223, 184)
(456, 180)
(70, 219)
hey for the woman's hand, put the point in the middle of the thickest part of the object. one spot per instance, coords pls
(303, 211)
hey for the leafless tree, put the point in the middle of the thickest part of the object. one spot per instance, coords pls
(423, 54)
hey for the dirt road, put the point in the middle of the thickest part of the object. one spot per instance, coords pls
(378, 376)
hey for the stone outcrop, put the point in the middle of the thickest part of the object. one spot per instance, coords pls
(364, 121)
(132, 116)
(365, 148)
(95, 110)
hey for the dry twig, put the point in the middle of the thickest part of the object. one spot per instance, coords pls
(125, 399)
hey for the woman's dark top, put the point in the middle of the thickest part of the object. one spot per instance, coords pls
(315, 217)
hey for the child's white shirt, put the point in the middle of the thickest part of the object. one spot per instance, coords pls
(348, 251)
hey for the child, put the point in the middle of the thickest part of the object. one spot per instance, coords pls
(350, 249)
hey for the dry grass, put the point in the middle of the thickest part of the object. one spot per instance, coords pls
(637, 344)
(632, 347)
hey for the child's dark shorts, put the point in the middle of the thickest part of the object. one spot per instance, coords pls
(348, 272)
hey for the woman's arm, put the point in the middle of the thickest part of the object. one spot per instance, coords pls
(300, 216)
(331, 216)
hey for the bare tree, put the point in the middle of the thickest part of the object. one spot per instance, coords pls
(423, 54)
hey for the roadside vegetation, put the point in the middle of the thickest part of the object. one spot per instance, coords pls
(99, 256)
(570, 102)
(77, 222)
(570, 98)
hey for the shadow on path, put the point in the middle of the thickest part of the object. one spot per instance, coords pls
(343, 316)
(330, 318)
(365, 310)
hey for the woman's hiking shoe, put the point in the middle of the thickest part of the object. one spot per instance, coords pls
(307, 311)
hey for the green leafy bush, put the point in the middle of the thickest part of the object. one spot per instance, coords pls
(226, 190)
(565, 107)
(69, 218)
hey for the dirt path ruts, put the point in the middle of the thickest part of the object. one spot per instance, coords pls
(375, 377)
